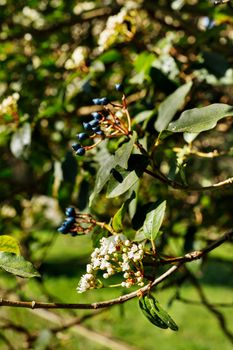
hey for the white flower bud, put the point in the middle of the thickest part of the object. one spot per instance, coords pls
(127, 243)
(138, 273)
(89, 268)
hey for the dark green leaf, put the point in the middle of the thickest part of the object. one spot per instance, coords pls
(154, 221)
(171, 105)
(110, 56)
(201, 119)
(146, 304)
(17, 265)
(123, 153)
(164, 316)
(215, 63)
(102, 176)
(117, 188)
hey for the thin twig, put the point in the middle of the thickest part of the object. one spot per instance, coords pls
(228, 236)
(179, 186)
(122, 299)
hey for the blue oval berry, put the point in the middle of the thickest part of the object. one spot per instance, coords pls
(100, 132)
(94, 123)
(104, 101)
(96, 115)
(96, 101)
(119, 87)
(87, 126)
(82, 136)
(63, 229)
(70, 221)
(70, 212)
(96, 129)
(76, 146)
(81, 151)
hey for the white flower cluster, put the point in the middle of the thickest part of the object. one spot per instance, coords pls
(116, 254)
(9, 105)
(116, 30)
(78, 58)
(29, 16)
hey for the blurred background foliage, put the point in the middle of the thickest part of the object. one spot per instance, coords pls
(55, 56)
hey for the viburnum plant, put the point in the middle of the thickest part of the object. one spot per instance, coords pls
(128, 255)
(133, 254)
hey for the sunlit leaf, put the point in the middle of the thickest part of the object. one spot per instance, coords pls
(9, 244)
(154, 221)
(117, 188)
(123, 153)
(171, 105)
(17, 265)
(200, 119)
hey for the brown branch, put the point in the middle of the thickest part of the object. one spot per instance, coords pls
(76, 321)
(157, 174)
(122, 299)
(179, 186)
(198, 254)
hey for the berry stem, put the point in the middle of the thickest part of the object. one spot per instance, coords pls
(125, 109)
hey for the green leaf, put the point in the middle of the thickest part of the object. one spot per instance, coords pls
(147, 310)
(142, 116)
(200, 119)
(9, 244)
(102, 176)
(17, 265)
(123, 153)
(154, 221)
(120, 158)
(117, 188)
(118, 217)
(164, 316)
(155, 313)
(190, 136)
(110, 56)
(171, 105)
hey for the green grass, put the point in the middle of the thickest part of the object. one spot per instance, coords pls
(198, 328)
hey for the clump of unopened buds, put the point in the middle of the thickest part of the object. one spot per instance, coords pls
(115, 254)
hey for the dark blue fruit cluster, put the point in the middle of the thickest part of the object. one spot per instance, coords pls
(79, 149)
(91, 128)
(68, 224)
